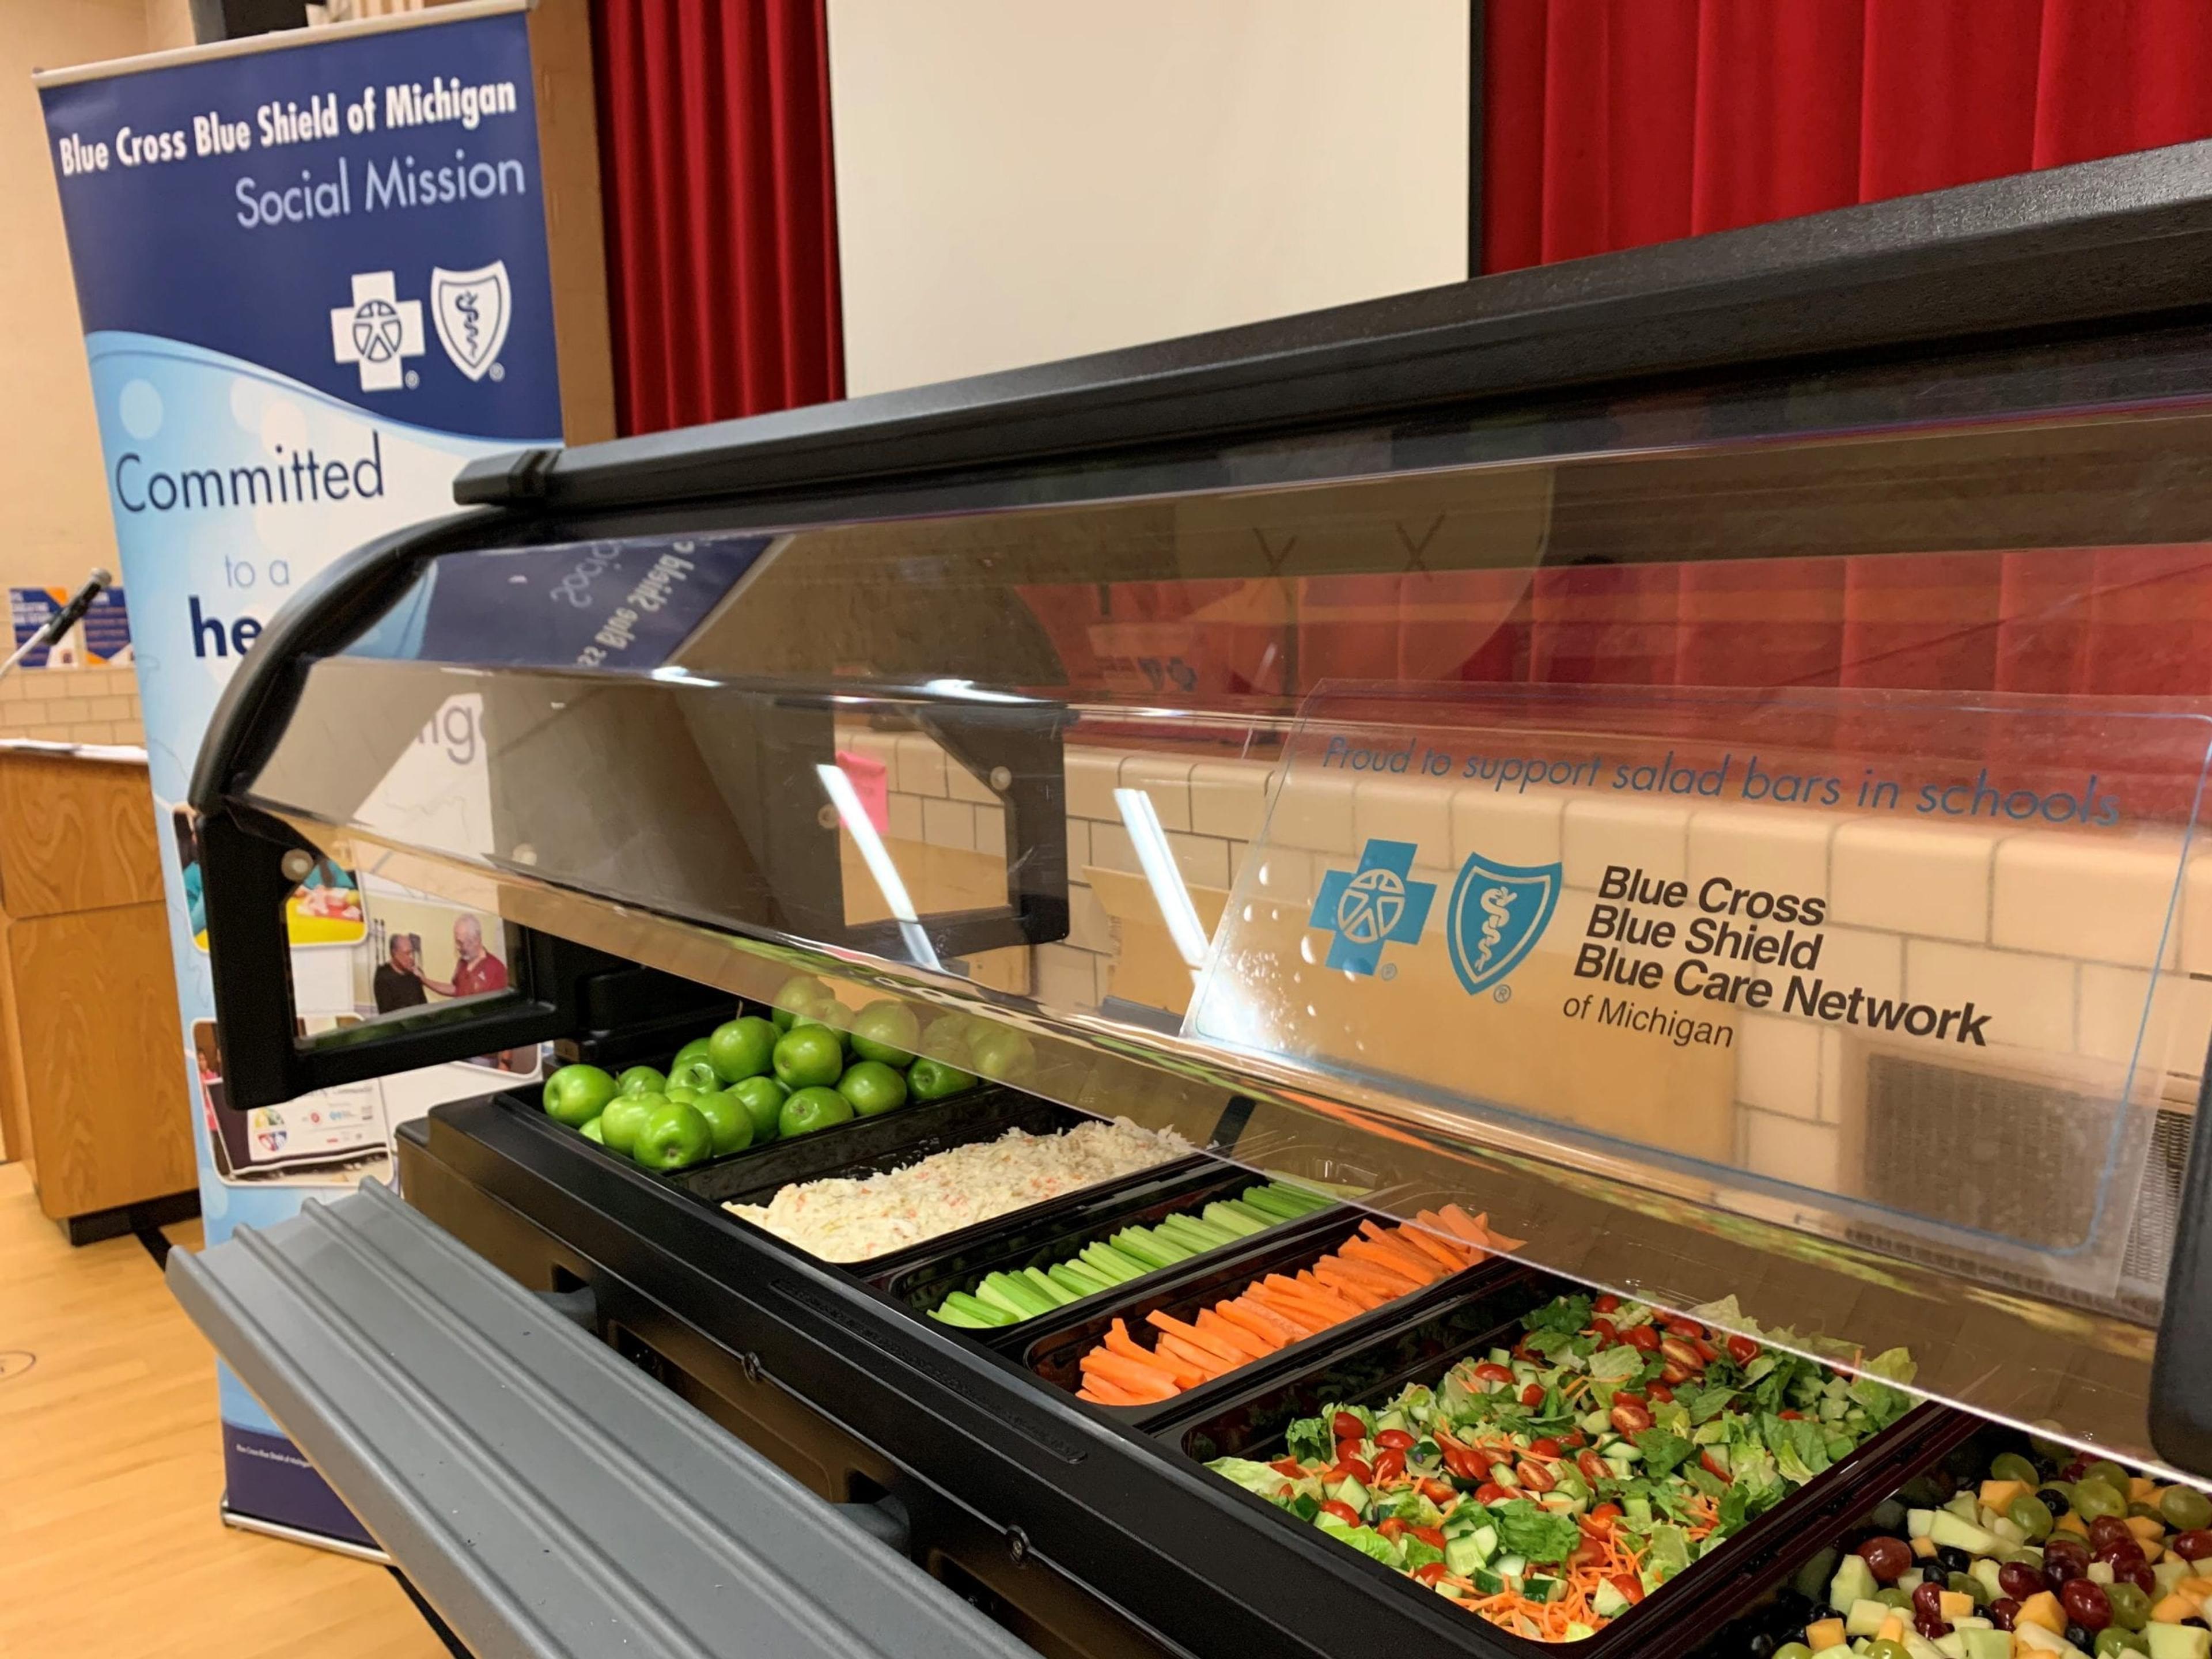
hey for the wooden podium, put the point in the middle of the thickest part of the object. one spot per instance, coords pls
(93, 1095)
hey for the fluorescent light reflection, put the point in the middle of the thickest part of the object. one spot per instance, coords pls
(1157, 859)
(877, 858)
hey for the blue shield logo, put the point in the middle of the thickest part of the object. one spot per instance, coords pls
(1498, 913)
(1376, 905)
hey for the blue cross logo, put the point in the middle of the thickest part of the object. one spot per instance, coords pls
(1373, 906)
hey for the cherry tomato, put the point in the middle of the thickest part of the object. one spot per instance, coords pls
(1289, 1465)
(1575, 1437)
(1357, 1468)
(1490, 1371)
(1347, 1427)
(1593, 1469)
(1608, 1332)
(1534, 1475)
(1606, 1514)
(1792, 1417)
(1547, 1449)
(1688, 1329)
(1491, 1492)
(1430, 1573)
(1680, 1352)
(1587, 1553)
(1395, 1440)
(1630, 1586)
(1432, 1536)
(1436, 1491)
(1629, 1417)
(1742, 1350)
(1390, 1526)
(1674, 1371)
(1389, 1465)
(1532, 1395)
(1607, 1303)
(1641, 1336)
(1707, 1352)
(1342, 1510)
(1713, 1466)
(1660, 1392)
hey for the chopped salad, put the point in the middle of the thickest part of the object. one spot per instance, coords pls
(1551, 1487)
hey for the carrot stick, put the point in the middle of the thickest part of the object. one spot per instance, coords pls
(1218, 1324)
(1452, 1258)
(1106, 1393)
(1350, 1288)
(1394, 1245)
(1220, 1347)
(1212, 1364)
(1464, 1225)
(1367, 1251)
(1256, 1322)
(1127, 1374)
(1118, 1340)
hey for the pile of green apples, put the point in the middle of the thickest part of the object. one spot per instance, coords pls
(750, 1080)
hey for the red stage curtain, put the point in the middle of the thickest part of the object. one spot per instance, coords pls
(722, 219)
(1609, 124)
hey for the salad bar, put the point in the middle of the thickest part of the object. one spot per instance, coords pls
(1525, 965)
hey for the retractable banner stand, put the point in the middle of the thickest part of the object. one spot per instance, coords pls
(315, 284)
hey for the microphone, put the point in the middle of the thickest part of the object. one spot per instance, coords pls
(73, 613)
(64, 619)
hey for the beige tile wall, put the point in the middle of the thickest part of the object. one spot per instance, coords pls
(2055, 929)
(71, 705)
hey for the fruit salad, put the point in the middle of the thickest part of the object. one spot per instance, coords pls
(2051, 1554)
(1551, 1486)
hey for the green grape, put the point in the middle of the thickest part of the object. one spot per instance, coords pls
(1793, 1650)
(2110, 1472)
(2130, 1607)
(2011, 1465)
(2184, 1509)
(2093, 1499)
(1884, 1648)
(1894, 1597)
(2032, 1517)
(2112, 1640)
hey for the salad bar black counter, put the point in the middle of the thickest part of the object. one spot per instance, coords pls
(1505, 1399)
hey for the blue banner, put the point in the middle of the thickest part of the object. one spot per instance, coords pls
(315, 284)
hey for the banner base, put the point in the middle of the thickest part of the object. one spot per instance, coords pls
(244, 1522)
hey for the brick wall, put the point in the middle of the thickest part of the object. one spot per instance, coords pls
(71, 705)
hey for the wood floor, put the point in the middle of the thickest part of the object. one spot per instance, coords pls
(110, 1470)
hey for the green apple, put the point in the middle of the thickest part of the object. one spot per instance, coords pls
(694, 1049)
(642, 1081)
(809, 1056)
(727, 1118)
(762, 1097)
(809, 1109)
(743, 1047)
(1002, 1055)
(593, 1132)
(886, 1032)
(946, 1039)
(871, 1087)
(625, 1115)
(674, 1137)
(800, 992)
(932, 1079)
(698, 1072)
(575, 1094)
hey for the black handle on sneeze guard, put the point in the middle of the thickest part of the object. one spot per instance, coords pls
(266, 1061)
(2181, 1371)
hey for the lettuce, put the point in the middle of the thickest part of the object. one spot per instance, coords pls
(1311, 1442)
(1615, 1365)
(1884, 1404)
(1528, 1529)
(1365, 1540)
(1668, 1553)
(1419, 1554)
(1567, 1313)
(1663, 1452)
(1253, 1477)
